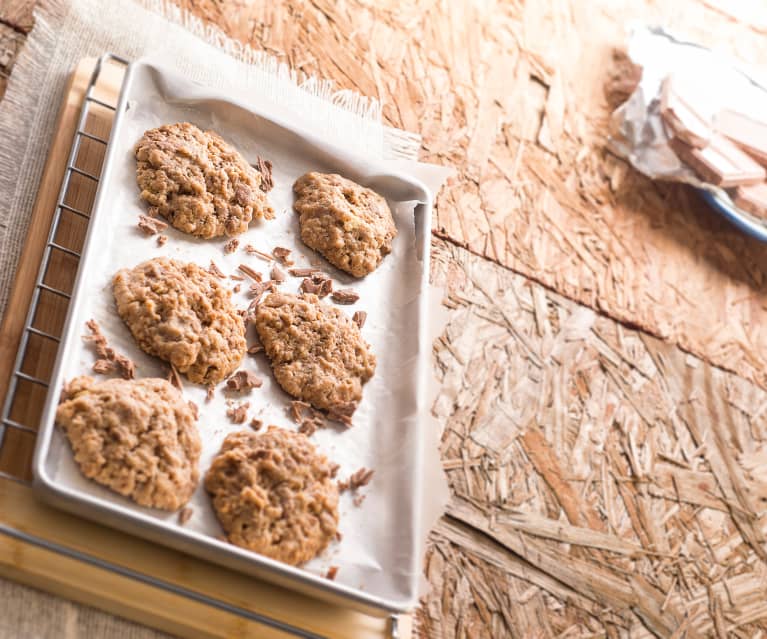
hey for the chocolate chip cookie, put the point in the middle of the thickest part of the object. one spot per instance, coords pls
(274, 493)
(349, 224)
(198, 182)
(137, 437)
(317, 353)
(183, 314)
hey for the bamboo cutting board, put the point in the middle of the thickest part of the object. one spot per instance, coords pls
(79, 559)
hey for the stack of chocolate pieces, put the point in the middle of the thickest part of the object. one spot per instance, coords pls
(728, 150)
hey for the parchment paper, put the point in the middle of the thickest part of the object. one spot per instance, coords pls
(393, 432)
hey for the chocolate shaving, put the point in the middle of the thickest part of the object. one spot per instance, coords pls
(259, 288)
(303, 272)
(184, 515)
(238, 413)
(236, 277)
(103, 366)
(331, 573)
(174, 377)
(277, 274)
(296, 410)
(231, 246)
(150, 225)
(343, 412)
(108, 360)
(334, 468)
(358, 499)
(256, 423)
(254, 275)
(359, 318)
(161, 239)
(318, 284)
(214, 270)
(344, 296)
(356, 480)
(307, 418)
(194, 408)
(264, 167)
(252, 250)
(236, 288)
(282, 255)
(243, 380)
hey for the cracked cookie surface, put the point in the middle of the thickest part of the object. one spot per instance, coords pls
(273, 493)
(352, 226)
(184, 315)
(136, 437)
(199, 182)
(317, 353)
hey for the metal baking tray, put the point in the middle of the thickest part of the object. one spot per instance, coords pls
(380, 554)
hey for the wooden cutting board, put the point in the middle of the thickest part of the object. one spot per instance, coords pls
(79, 559)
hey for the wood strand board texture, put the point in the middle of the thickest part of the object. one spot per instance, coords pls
(513, 95)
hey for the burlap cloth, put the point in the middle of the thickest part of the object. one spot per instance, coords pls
(64, 33)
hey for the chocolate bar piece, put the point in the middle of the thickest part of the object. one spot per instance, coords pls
(720, 162)
(679, 114)
(752, 199)
(749, 134)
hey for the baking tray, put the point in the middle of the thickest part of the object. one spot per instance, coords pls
(390, 440)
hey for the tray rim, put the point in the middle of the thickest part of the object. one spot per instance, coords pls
(189, 541)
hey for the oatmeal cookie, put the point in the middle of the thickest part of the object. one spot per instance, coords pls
(183, 314)
(198, 182)
(274, 493)
(349, 224)
(137, 437)
(317, 353)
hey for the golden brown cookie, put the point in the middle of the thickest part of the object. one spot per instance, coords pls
(317, 353)
(198, 182)
(274, 493)
(349, 224)
(137, 437)
(183, 314)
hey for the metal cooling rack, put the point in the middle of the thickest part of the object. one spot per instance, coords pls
(19, 375)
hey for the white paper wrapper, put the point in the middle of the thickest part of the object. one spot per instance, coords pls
(393, 432)
(639, 134)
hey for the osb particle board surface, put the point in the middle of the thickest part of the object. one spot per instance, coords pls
(512, 95)
(604, 482)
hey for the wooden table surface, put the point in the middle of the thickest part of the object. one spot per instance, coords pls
(602, 371)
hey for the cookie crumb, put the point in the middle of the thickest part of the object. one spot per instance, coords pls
(331, 573)
(184, 515)
(357, 479)
(238, 413)
(194, 408)
(318, 284)
(214, 270)
(256, 423)
(339, 535)
(282, 255)
(252, 250)
(256, 348)
(344, 296)
(264, 167)
(359, 318)
(259, 288)
(210, 392)
(231, 246)
(161, 239)
(334, 468)
(357, 501)
(254, 275)
(244, 380)
(236, 288)
(150, 225)
(277, 274)
(343, 412)
(174, 377)
(296, 410)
